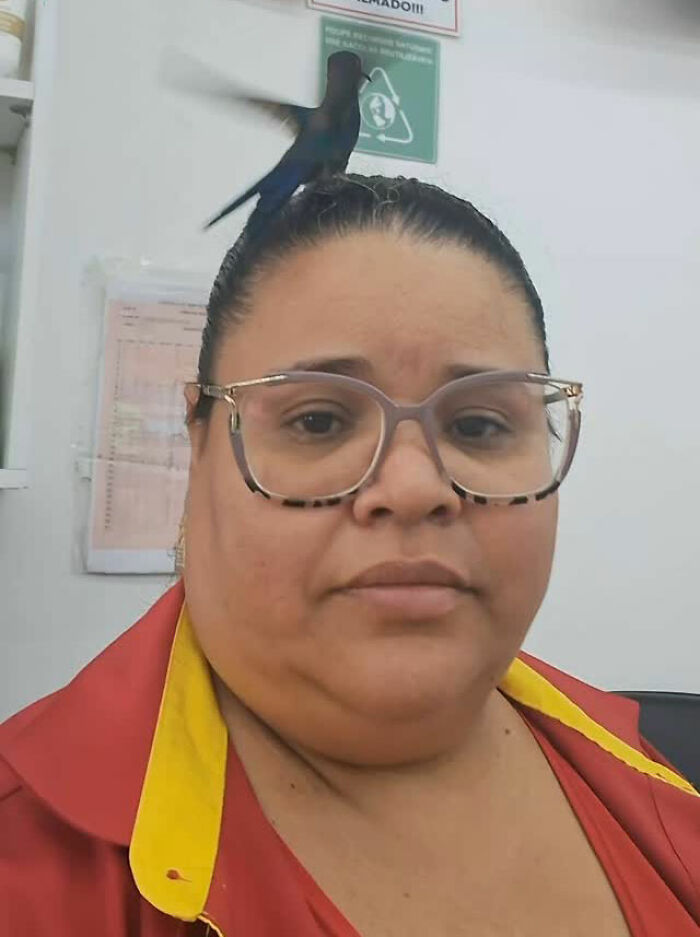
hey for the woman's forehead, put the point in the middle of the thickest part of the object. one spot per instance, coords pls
(403, 305)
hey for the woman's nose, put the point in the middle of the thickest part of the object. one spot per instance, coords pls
(408, 485)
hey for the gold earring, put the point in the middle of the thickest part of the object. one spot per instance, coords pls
(180, 548)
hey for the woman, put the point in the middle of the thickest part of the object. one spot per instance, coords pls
(328, 728)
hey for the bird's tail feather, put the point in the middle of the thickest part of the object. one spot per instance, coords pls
(236, 203)
(266, 209)
(274, 189)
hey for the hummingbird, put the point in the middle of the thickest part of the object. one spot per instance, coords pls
(325, 136)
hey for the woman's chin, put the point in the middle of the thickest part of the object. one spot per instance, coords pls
(403, 684)
(396, 730)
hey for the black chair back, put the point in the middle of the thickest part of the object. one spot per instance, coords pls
(671, 722)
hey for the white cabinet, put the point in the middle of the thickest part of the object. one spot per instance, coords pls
(23, 133)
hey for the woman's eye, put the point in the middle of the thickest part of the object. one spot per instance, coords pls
(476, 428)
(317, 423)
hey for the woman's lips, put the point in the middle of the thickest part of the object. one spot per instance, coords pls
(414, 602)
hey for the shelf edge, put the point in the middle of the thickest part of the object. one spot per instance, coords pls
(16, 89)
(13, 479)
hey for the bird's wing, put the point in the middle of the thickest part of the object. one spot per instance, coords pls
(181, 72)
(293, 115)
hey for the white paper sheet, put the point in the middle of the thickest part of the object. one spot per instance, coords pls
(152, 334)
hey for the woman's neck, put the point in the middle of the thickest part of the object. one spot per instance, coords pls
(480, 767)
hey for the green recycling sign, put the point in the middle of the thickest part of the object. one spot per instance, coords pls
(399, 106)
(383, 118)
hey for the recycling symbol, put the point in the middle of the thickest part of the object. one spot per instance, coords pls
(383, 117)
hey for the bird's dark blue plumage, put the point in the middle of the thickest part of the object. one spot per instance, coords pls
(325, 137)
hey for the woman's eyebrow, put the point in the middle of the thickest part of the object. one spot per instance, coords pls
(355, 366)
(453, 371)
(358, 366)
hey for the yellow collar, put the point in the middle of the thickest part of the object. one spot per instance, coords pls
(176, 834)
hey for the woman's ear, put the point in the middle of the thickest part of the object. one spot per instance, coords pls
(195, 428)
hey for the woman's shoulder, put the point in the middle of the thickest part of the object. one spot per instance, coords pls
(48, 866)
(597, 733)
(133, 661)
(585, 719)
(548, 689)
(60, 880)
(83, 749)
(71, 769)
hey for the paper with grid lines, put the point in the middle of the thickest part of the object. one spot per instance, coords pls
(141, 452)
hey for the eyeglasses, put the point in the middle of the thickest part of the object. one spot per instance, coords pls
(312, 439)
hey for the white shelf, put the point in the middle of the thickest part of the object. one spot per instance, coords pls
(13, 478)
(16, 99)
(24, 110)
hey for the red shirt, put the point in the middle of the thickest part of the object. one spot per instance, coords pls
(80, 787)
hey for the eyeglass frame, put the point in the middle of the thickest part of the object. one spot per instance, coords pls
(394, 414)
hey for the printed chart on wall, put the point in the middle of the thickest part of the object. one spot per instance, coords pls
(435, 16)
(399, 106)
(141, 453)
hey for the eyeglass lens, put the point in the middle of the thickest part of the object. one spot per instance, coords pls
(314, 440)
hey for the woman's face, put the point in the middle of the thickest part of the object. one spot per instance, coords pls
(328, 668)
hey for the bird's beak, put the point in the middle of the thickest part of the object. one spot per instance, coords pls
(365, 75)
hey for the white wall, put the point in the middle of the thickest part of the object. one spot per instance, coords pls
(576, 125)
